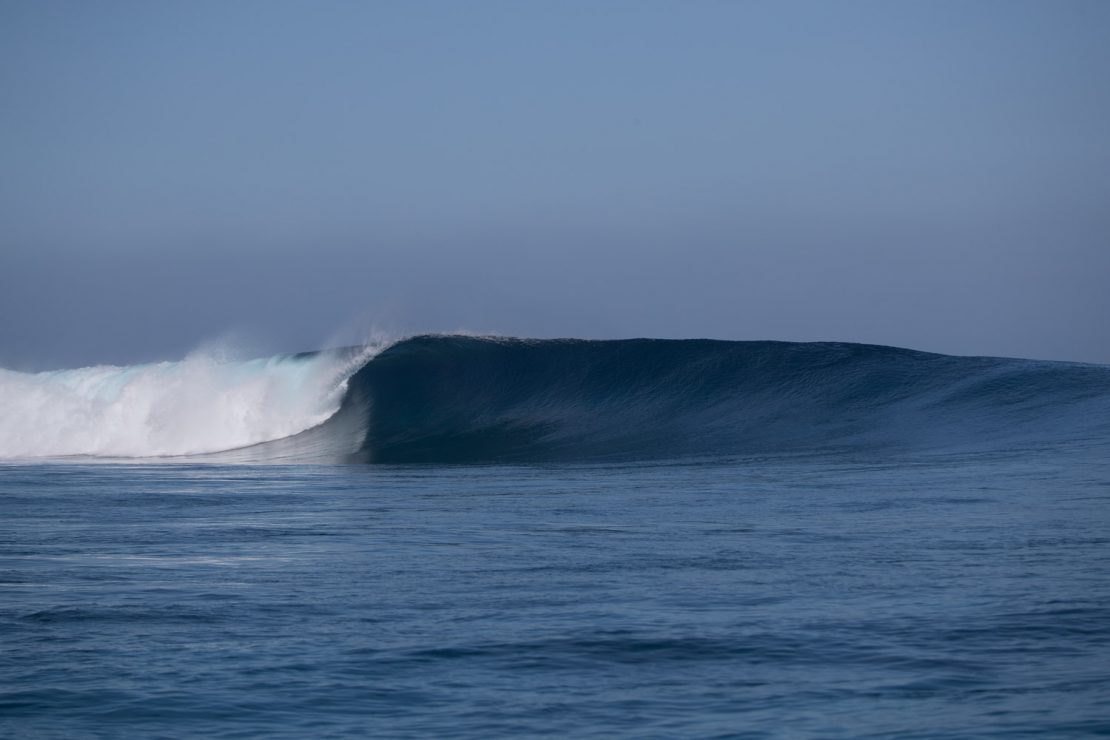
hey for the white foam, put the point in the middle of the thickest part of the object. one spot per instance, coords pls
(201, 404)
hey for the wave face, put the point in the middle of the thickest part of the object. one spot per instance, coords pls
(456, 399)
(467, 399)
(199, 405)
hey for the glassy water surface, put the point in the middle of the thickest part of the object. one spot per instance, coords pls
(930, 596)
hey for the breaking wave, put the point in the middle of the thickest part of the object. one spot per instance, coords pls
(473, 399)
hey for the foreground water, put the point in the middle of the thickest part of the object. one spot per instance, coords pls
(929, 596)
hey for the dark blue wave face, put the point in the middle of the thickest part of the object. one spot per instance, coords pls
(467, 399)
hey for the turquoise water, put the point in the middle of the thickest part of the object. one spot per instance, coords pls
(963, 594)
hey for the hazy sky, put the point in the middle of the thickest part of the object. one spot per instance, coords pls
(925, 174)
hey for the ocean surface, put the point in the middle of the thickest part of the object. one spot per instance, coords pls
(473, 537)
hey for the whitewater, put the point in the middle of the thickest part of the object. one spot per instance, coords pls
(204, 403)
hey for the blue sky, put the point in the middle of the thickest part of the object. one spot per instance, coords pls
(931, 174)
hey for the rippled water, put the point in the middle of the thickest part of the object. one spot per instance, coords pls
(945, 596)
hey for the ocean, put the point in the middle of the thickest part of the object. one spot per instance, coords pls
(473, 537)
